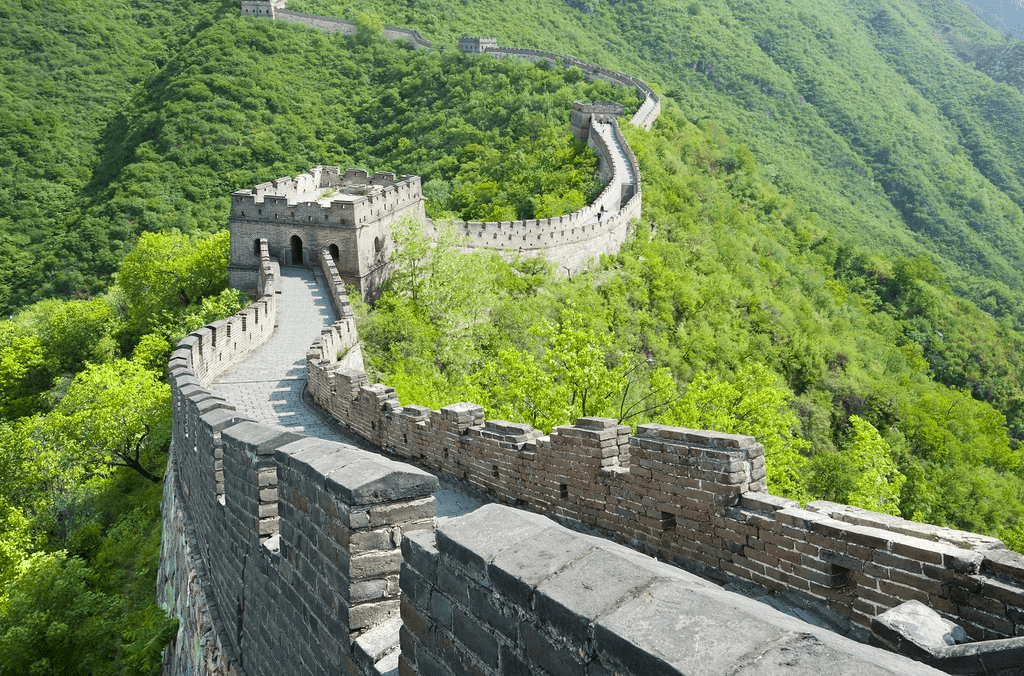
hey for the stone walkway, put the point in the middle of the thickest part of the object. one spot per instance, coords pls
(269, 384)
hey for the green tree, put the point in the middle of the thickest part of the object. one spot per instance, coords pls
(73, 332)
(114, 415)
(53, 622)
(575, 356)
(25, 374)
(878, 481)
(514, 386)
(167, 273)
(752, 403)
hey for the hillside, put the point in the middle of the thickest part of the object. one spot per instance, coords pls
(830, 255)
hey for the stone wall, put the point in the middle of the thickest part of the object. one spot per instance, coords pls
(501, 591)
(283, 553)
(697, 499)
(325, 23)
(340, 341)
(644, 117)
(572, 240)
(279, 550)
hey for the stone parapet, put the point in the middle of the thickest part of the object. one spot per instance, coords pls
(502, 592)
(698, 499)
(279, 549)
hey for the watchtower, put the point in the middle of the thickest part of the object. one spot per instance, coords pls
(263, 8)
(349, 215)
(477, 45)
(598, 111)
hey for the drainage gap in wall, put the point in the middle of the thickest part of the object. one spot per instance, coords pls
(668, 521)
(494, 471)
(842, 580)
(563, 491)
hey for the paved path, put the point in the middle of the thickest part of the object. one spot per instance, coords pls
(269, 384)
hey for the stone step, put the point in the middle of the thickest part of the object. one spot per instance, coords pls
(378, 649)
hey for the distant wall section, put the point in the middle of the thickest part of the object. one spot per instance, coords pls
(275, 9)
(573, 240)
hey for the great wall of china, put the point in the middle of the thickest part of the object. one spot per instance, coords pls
(287, 553)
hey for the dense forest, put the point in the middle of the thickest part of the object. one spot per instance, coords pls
(830, 254)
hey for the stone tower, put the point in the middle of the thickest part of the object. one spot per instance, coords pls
(348, 215)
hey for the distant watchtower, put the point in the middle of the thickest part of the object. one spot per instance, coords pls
(349, 215)
(598, 111)
(477, 45)
(264, 8)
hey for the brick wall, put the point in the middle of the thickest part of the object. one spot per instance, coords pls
(344, 27)
(698, 499)
(278, 549)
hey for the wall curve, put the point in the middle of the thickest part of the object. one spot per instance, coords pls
(570, 241)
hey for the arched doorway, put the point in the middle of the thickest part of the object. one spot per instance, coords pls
(333, 250)
(296, 242)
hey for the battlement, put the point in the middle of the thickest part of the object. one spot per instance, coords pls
(328, 196)
(283, 552)
(583, 114)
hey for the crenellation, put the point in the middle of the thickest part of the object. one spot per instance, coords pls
(348, 215)
(697, 498)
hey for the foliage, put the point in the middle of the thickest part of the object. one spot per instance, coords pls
(52, 621)
(878, 481)
(752, 404)
(114, 415)
(168, 273)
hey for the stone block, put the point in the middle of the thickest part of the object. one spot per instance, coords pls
(516, 571)
(915, 630)
(374, 564)
(542, 650)
(453, 582)
(581, 592)
(727, 633)
(475, 636)
(257, 439)
(397, 513)
(482, 606)
(1005, 562)
(475, 539)
(372, 480)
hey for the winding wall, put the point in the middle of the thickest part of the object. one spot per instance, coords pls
(570, 241)
(290, 554)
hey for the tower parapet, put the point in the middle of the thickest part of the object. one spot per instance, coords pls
(262, 8)
(598, 111)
